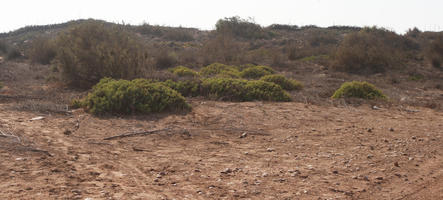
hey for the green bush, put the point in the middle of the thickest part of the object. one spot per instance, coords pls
(220, 70)
(93, 50)
(1, 85)
(182, 71)
(256, 72)
(358, 89)
(242, 90)
(285, 83)
(127, 97)
(187, 88)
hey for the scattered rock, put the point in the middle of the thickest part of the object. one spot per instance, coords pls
(67, 132)
(264, 174)
(379, 178)
(243, 135)
(391, 129)
(335, 172)
(396, 164)
(226, 171)
(270, 149)
(370, 130)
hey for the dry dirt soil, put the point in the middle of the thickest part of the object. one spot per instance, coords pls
(223, 150)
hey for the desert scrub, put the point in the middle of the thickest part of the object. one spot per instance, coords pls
(187, 88)
(256, 72)
(182, 71)
(139, 96)
(92, 50)
(220, 70)
(357, 89)
(372, 50)
(242, 90)
(282, 81)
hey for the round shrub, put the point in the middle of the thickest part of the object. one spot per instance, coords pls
(285, 83)
(256, 72)
(358, 89)
(262, 90)
(139, 96)
(220, 70)
(187, 88)
(182, 71)
(93, 50)
(242, 90)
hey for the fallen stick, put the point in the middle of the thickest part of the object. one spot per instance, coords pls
(142, 133)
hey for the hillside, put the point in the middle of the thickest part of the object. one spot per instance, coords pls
(261, 121)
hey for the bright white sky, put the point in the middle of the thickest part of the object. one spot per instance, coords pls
(398, 15)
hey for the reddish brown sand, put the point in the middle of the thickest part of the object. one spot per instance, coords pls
(288, 151)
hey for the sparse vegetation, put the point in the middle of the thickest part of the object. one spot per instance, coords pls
(256, 72)
(92, 50)
(165, 59)
(282, 81)
(242, 28)
(356, 89)
(42, 50)
(435, 52)
(371, 50)
(139, 96)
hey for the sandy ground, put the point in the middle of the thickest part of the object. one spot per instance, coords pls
(225, 150)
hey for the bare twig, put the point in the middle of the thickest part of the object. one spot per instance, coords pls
(9, 133)
(135, 134)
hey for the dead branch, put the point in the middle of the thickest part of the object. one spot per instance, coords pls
(135, 134)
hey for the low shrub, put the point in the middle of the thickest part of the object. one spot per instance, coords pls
(242, 90)
(187, 88)
(179, 34)
(3, 47)
(42, 50)
(242, 28)
(1, 85)
(129, 97)
(358, 89)
(13, 53)
(165, 59)
(182, 71)
(435, 52)
(221, 70)
(285, 83)
(256, 72)
(371, 50)
(92, 50)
